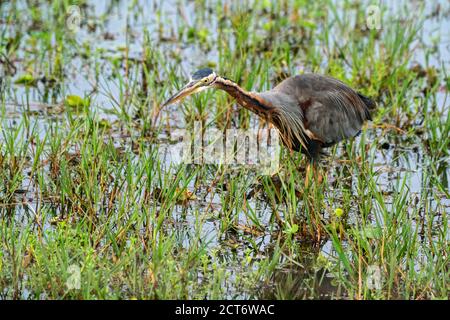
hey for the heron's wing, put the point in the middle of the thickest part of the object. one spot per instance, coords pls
(332, 111)
(332, 116)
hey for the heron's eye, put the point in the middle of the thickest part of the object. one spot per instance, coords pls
(206, 80)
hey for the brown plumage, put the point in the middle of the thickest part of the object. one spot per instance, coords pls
(310, 111)
(330, 111)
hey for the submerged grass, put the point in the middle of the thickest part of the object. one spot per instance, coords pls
(88, 191)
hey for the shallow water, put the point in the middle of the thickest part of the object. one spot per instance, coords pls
(114, 26)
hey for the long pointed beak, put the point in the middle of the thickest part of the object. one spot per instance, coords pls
(187, 90)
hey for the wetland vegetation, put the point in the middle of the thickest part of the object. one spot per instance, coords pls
(92, 207)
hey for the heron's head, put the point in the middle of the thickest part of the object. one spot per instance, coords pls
(200, 80)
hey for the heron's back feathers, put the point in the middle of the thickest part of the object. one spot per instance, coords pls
(328, 109)
(371, 105)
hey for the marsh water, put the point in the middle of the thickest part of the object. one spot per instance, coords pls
(111, 43)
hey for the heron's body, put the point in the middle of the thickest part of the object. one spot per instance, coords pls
(310, 111)
(330, 111)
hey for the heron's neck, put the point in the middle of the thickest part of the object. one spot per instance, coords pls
(249, 100)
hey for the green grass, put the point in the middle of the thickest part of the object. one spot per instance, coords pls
(83, 182)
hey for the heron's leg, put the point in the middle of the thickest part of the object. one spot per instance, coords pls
(307, 174)
(313, 153)
(318, 177)
(313, 171)
(280, 221)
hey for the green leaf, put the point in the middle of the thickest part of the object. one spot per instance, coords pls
(267, 4)
(338, 212)
(371, 232)
(292, 229)
(202, 34)
(76, 102)
(308, 24)
(26, 80)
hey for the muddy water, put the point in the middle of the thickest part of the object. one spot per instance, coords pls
(117, 26)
